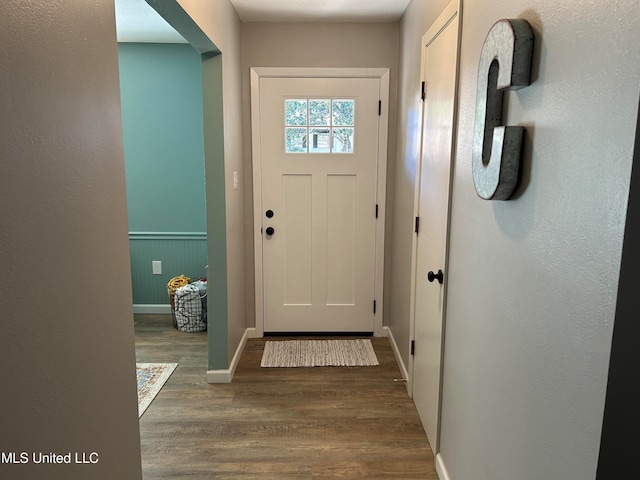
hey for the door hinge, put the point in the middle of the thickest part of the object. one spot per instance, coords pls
(374, 306)
(379, 107)
(376, 210)
(423, 95)
(413, 347)
(417, 227)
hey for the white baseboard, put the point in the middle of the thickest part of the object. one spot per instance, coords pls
(219, 376)
(252, 333)
(396, 352)
(226, 375)
(152, 308)
(441, 470)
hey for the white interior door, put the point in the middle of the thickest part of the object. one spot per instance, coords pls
(440, 63)
(319, 157)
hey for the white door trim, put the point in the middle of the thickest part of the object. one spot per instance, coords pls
(292, 72)
(451, 13)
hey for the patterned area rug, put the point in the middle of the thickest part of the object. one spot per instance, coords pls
(319, 353)
(151, 378)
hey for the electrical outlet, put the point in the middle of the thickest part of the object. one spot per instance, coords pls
(156, 267)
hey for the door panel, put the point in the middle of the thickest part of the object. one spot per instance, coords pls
(341, 239)
(296, 194)
(433, 210)
(319, 141)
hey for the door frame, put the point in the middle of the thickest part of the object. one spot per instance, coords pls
(451, 13)
(382, 74)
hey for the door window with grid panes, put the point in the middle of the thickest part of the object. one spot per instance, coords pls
(319, 125)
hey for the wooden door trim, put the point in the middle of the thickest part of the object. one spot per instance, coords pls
(451, 13)
(257, 73)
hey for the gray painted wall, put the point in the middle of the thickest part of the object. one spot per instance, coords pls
(533, 281)
(315, 45)
(66, 347)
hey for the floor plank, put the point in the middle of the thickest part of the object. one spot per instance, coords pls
(276, 423)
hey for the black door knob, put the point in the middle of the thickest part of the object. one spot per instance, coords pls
(436, 276)
(269, 213)
(270, 231)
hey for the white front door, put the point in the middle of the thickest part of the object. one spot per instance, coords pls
(319, 159)
(440, 63)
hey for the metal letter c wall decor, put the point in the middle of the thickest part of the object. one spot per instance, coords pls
(505, 62)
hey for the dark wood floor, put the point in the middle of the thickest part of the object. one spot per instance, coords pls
(305, 423)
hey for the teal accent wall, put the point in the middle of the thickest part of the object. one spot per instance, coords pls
(217, 301)
(162, 122)
(161, 96)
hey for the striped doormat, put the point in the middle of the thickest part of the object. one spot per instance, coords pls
(319, 353)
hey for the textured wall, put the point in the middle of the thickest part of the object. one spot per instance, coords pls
(533, 280)
(66, 346)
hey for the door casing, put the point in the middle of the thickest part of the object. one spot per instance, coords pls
(294, 72)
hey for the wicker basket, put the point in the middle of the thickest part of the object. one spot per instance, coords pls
(174, 284)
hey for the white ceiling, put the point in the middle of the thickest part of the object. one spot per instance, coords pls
(320, 10)
(136, 21)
